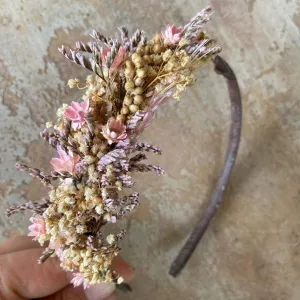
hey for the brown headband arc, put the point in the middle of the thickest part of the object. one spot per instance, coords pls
(222, 68)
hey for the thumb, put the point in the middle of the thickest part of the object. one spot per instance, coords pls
(102, 291)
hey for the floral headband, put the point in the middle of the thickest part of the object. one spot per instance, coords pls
(99, 147)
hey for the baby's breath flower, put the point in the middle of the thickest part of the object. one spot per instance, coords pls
(93, 173)
(60, 112)
(49, 124)
(99, 209)
(73, 83)
(111, 239)
(70, 200)
(167, 55)
(89, 193)
(90, 79)
(80, 229)
(107, 217)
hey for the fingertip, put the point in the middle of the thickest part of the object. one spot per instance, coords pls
(100, 291)
(22, 274)
(18, 243)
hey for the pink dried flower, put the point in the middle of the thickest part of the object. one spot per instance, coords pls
(104, 54)
(78, 279)
(38, 228)
(65, 162)
(56, 244)
(172, 34)
(76, 112)
(114, 131)
(118, 60)
(153, 105)
(153, 101)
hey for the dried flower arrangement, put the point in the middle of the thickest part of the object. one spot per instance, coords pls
(97, 140)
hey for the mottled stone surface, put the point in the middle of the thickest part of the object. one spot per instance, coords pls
(252, 248)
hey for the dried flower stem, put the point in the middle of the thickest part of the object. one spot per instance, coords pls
(90, 133)
(137, 158)
(37, 207)
(101, 38)
(36, 173)
(221, 67)
(146, 168)
(148, 148)
(79, 59)
(65, 141)
(46, 254)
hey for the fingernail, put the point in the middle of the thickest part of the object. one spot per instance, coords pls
(99, 291)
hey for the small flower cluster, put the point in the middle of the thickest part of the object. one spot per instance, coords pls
(97, 141)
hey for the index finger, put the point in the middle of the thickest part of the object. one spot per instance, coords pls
(21, 275)
(18, 243)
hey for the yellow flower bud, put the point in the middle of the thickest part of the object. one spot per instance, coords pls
(152, 72)
(141, 73)
(127, 100)
(138, 99)
(147, 59)
(125, 110)
(138, 91)
(129, 64)
(157, 39)
(136, 57)
(140, 50)
(157, 48)
(139, 81)
(139, 63)
(129, 73)
(157, 59)
(167, 55)
(121, 118)
(129, 85)
(147, 49)
(133, 108)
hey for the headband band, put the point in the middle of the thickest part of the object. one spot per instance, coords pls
(222, 68)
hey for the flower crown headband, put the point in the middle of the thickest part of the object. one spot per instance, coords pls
(97, 140)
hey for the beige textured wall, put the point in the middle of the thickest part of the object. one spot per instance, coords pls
(252, 248)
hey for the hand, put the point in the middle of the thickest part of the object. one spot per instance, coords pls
(21, 277)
